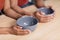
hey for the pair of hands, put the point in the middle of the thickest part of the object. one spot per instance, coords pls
(42, 18)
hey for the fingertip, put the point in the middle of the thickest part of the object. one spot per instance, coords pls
(28, 31)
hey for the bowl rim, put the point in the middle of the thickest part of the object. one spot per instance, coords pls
(46, 8)
(24, 17)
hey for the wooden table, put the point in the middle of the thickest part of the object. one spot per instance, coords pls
(44, 31)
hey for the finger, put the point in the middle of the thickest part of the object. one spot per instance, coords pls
(38, 14)
(41, 14)
(47, 19)
(19, 27)
(27, 30)
(44, 19)
(23, 32)
(50, 17)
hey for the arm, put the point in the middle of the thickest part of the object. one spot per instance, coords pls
(9, 12)
(14, 5)
(39, 3)
(4, 30)
(19, 10)
(13, 30)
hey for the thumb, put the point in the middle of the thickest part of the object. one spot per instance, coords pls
(39, 14)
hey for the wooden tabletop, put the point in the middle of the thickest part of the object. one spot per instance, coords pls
(44, 31)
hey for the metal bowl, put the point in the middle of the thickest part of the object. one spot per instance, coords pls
(46, 11)
(27, 22)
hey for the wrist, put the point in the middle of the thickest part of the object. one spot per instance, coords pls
(22, 12)
(19, 10)
(4, 30)
(11, 31)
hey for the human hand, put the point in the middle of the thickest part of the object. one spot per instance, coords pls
(19, 31)
(42, 18)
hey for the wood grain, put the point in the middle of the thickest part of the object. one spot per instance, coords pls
(44, 31)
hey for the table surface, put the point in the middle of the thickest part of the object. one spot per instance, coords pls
(44, 31)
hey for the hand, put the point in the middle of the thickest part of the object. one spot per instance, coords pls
(19, 31)
(42, 18)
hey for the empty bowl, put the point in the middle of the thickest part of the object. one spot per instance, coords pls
(46, 11)
(27, 22)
